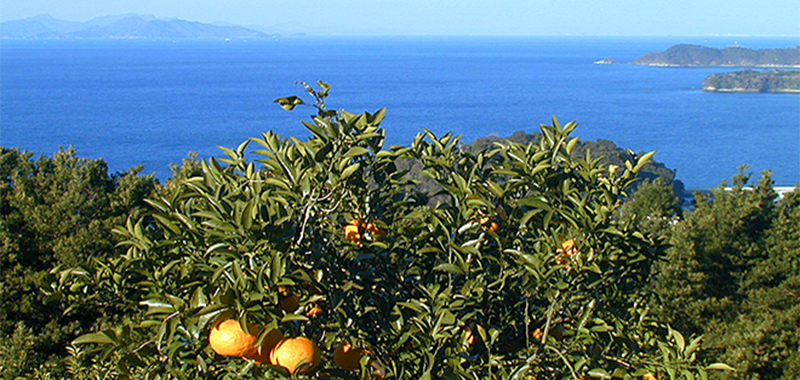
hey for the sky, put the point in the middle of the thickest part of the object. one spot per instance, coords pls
(449, 17)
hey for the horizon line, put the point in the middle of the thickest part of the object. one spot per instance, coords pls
(414, 34)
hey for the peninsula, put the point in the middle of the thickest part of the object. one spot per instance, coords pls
(754, 81)
(734, 56)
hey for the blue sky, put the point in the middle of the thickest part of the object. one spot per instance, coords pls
(448, 17)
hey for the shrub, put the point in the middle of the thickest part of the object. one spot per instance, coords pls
(424, 290)
(54, 211)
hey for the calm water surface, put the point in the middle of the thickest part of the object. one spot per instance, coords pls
(151, 102)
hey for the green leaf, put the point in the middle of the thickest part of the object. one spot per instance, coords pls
(678, 339)
(154, 303)
(348, 171)
(693, 346)
(599, 372)
(535, 202)
(98, 338)
(356, 151)
(288, 103)
(450, 268)
(210, 309)
(720, 367)
(602, 329)
(198, 299)
(643, 160)
(293, 317)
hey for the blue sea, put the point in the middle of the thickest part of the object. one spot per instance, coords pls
(152, 102)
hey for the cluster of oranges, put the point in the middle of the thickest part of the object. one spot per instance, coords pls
(297, 355)
(566, 252)
(488, 225)
(301, 355)
(290, 302)
(354, 230)
(229, 339)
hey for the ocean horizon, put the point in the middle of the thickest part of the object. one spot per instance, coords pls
(148, 102)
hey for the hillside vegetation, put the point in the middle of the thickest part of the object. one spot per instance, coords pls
(735, 56)
(753, 81)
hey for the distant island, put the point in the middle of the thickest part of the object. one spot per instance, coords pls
(130, 26)
(754, 81)
(734, 56)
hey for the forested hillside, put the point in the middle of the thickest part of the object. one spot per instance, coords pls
(734, 56)
(753, 81)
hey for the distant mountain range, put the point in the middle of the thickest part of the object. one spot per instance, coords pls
(131, 26)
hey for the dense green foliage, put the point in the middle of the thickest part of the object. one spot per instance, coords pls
(754, 81)
(734, 56)
(524, 252)
(54, 211)
(733, 274)
(606, 150)
(220, 238)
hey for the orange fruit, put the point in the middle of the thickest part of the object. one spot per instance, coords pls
(649, 376)
(348, 357)
(229, 339)
(487, 224)
(352, 232)
(295, 354)
(261, 354)
(537, 334)
(469, 337)
(374, 230)
(313, 311)
(568, 248)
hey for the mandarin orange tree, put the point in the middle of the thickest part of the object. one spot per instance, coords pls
(517, 270)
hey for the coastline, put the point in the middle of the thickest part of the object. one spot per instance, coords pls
(743, 90)
(711, 66)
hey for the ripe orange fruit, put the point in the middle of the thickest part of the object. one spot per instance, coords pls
(352, 231)
(566, 251)
(228, 339)
(261, 354)
(568, 248)
(295, 354)
(487, 224)
(469, 337)
(537, 334)
(348, 357)
(374, 230)
(649, 376)
(313, 311)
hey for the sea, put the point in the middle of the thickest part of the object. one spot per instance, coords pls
(151, 103)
